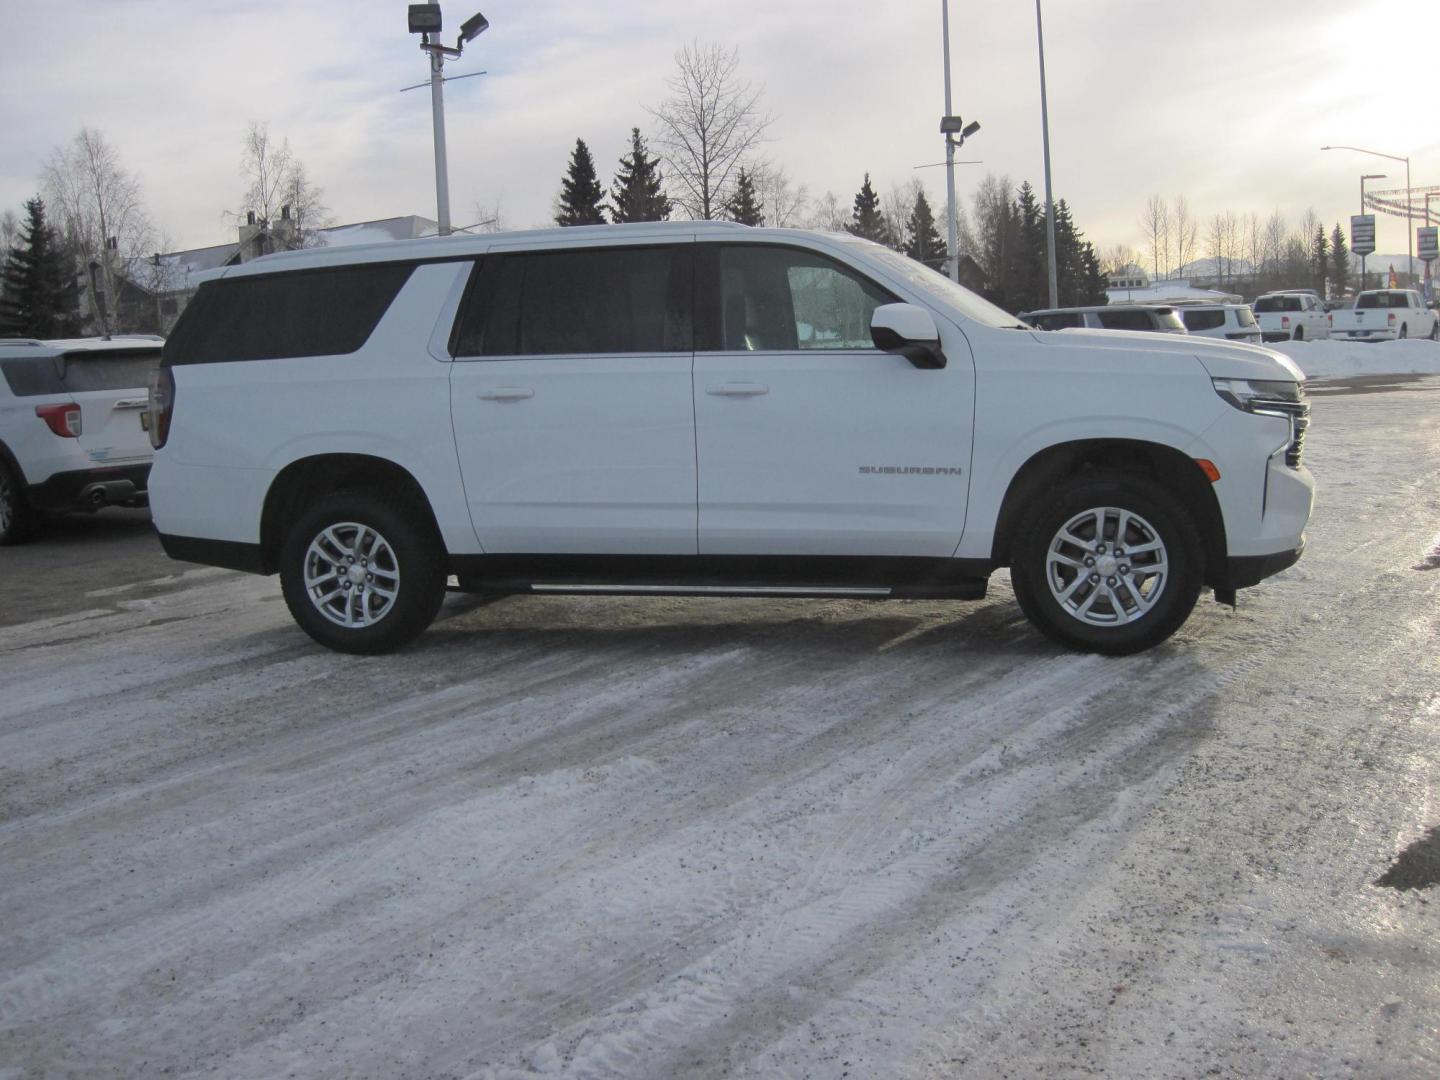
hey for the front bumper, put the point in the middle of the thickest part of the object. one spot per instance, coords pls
(1242, 571)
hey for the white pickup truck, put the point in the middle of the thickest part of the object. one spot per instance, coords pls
(1385, 315)
(1291, 316)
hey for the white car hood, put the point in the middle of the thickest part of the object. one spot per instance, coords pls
(1222, 359)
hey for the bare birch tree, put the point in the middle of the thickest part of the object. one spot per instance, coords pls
(1185, 229)
(783, 201)
(708, 127)
(97, 202)
(1155, 227)
(829, 214)
(278, 189)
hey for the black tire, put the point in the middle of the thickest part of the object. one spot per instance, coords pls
(1116, 623)
(1299, 333)
(1404, 331)
(341, 533)
(17, 516)
(1435, 329)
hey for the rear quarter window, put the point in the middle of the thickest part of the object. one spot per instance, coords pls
(326, 312)
(1202, 319)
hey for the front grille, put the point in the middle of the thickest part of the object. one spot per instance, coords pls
(1299, 414)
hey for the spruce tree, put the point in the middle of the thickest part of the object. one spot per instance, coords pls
(1031, 286)
(744, 203)
(38, 297)
(1079, 278)
(922, 239)
(1320, 258)
(866, 219)
(582, 199)
(638, 194)
(1339, 260)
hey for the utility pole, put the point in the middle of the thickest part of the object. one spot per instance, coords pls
(437, 110)
(952, 256)
(1045, 135)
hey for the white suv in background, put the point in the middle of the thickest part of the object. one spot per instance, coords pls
(704, 408)
(70, 426)
(1231, 322)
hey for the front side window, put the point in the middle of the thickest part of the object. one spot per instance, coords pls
(783, 299)
(581, 302)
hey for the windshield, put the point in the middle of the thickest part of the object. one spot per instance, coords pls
(1276, 303)
(942, 288)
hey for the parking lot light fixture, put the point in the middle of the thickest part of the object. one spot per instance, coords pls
(1409, 224)
(426, 20)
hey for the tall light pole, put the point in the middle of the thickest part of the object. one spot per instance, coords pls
(1045, 135)
(952, 238)
(1409, 224)
(1363, 178)
(425, 20)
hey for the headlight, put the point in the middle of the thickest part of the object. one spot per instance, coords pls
(1264, 397)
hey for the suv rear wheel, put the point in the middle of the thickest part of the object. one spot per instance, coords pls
(17, 519)
(361, 575)
(1110, 564)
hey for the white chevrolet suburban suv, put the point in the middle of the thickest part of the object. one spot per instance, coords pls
(704, 408)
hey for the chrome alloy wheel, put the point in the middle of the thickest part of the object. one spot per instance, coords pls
(1106, 566)
(351, 575)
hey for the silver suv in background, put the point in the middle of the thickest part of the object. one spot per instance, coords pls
(1157, 318)
(71, 429)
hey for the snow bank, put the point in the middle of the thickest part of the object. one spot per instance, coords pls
(1342, 359)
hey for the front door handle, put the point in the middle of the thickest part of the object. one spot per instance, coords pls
(738, 389)
(506, 393)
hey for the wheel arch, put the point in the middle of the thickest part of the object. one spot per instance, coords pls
(300, 482)
(1165, 465)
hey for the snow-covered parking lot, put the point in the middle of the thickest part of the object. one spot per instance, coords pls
(701, 837)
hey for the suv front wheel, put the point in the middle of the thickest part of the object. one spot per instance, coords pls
(361, 575)
(1110, 563)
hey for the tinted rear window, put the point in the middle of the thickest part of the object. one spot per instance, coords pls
(1268, 304)
(310, 313)
(1203, 319)
(110, 371)
(74, 373)
(1126, 320)
(586, 302)
(1383, 300)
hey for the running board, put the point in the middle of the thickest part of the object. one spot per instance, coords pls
(864, 592)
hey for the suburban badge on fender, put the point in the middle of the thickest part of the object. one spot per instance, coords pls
(911, 470)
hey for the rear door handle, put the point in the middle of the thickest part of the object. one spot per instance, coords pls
(738, 389)
(506, 393)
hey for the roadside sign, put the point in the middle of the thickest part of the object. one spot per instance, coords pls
(1428, 245)
(1362, 234)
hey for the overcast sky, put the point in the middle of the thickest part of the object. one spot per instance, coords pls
(1226, 102)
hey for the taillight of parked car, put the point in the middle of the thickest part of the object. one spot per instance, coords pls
(63, 420)
(1284, 322)
(1390, 319)
(161, 406)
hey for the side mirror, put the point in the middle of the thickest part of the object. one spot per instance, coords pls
(907, 331)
